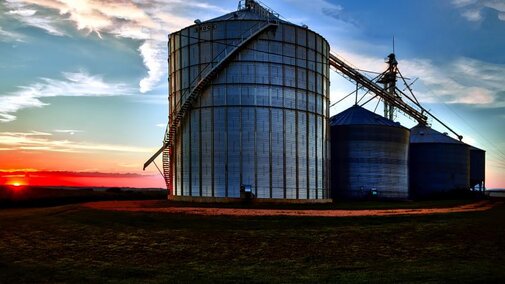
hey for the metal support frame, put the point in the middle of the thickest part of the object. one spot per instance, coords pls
(393, 101)
(389, 81)
(391, 95)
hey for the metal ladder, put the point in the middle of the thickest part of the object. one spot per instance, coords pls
(167, 169)
(192, 93)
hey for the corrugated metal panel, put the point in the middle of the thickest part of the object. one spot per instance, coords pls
(368, 156)
(357, 115)
(425, 134)
(477, 167)
(256, 122)
(438, 164)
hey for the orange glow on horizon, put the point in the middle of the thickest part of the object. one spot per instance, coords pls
(41, 168)
(16, 184)
(79, 179)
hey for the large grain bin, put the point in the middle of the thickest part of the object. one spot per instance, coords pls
(261, 120)
(477, 168)
(438, 164)
(368, 156)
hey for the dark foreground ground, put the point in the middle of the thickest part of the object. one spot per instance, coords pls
(43, 196)
(72, 243)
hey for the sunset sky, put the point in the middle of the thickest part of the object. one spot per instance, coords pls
(83, 84)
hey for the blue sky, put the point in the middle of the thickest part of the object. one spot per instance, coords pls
(86, 80)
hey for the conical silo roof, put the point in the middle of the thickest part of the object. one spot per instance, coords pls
(245, 14)
(254, 12)
(424, 134)
(357, 115)
(473, 148)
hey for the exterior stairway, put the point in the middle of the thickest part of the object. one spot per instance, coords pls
(196, 87)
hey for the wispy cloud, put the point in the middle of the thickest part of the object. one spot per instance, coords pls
(68, 131)
(463, 80)
(132, 166)
(8, 36)
(33, 18)
(334, 16)
(460, 3)
(42, 141)
(75, 84)
(472, 9)
(337, 12)
(472, 15)
(152, 53)
(80, 173)
(148, 21)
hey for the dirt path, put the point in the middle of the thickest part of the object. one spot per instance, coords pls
(159, 207)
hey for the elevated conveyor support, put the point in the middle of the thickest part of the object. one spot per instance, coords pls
(394, 101)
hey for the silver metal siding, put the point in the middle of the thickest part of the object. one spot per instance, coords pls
(366, 157)
(262, 120)
(477, 166)
(438, 168)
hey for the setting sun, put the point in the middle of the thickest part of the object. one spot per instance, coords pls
(16, 183)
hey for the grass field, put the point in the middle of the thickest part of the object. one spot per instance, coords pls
(71, 243)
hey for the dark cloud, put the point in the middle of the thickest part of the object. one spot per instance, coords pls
(337, 13)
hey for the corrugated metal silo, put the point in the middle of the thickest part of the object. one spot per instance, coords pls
(438, 164)
(477, 168)
(368, 156)
(261, 119)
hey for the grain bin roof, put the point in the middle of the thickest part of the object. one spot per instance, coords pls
(246, 14)
(357, 115)
(425, 134)
(473, 148)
